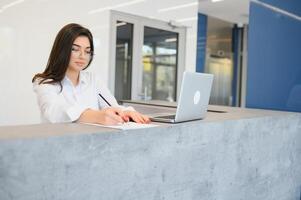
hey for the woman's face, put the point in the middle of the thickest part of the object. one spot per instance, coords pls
(80, 54)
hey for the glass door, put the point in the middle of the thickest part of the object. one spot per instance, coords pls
(159, 53)
(147, 58)
(123, 60)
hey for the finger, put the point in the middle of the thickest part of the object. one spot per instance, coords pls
(128, 115)
(146, 119)
(126, 118)
(133, 117)
(139, 117)
(115, 117)
(142, 118)
(120, 113)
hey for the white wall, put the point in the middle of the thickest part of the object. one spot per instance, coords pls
(28, 29)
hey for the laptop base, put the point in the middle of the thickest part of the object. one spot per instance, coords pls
(170, 121)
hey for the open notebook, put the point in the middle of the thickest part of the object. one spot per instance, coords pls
(126, 126)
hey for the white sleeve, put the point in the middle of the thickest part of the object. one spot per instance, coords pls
(53, 105)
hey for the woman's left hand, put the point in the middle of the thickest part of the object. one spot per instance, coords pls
(136, 117)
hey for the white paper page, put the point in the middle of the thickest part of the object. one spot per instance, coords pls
(126, 126)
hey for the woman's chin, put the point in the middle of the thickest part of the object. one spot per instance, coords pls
(78, 68)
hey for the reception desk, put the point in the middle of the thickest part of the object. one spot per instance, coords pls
(235, 154)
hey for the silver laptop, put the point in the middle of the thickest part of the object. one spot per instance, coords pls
(193, 100)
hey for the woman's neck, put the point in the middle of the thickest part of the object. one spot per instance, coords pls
(73, 76)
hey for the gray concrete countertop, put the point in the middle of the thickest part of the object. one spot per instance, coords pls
(223, 113)
(238, 154)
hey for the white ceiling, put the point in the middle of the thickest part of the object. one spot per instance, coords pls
(235, 11)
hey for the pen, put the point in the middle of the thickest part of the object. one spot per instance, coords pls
(104, 99)
(106, 102)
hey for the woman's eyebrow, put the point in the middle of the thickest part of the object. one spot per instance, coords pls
(81, 46)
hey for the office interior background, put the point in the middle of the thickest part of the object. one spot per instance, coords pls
(142, 48)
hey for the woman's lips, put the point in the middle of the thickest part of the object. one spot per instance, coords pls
(80, 63)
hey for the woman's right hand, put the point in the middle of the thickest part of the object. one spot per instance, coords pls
(106, 116)
(110, 116)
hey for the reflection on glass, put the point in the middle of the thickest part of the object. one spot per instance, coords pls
(222, 68)
(159, 64)
(123, 71)
(219, 60)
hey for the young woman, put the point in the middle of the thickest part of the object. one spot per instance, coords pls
(67, 93)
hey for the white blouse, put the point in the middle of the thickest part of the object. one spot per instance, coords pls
(67, 105)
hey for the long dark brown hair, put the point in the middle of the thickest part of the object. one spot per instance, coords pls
(59, 58)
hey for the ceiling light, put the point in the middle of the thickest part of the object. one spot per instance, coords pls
(116, 6)
(171, 40)
(178, 7)
(10, 5)
(214, 1)
(121, 24)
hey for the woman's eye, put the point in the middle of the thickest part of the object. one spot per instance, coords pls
(74, 49)
(88, 52)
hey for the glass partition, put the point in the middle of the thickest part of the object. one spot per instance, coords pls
(123, 70)
(159, 53)
(219, 60)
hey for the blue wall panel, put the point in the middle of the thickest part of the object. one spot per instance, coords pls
(201, 43)
(292, 6)
(274, 60)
